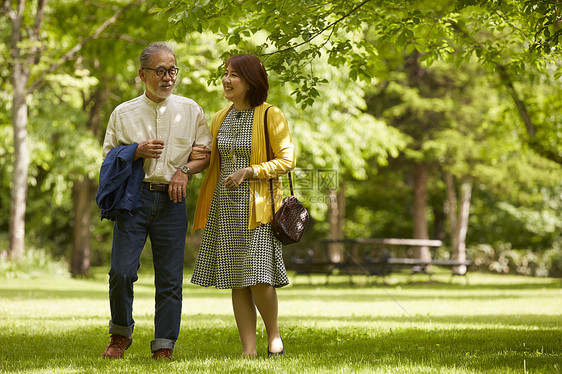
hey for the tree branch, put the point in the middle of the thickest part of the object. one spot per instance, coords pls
(15, 37)
(331, 25)
(35, 34)
(72, 52)
(502, 71)
(38, 18)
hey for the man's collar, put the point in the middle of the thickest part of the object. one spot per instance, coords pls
(154, 103)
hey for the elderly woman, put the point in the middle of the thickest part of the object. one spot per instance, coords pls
(238, 250)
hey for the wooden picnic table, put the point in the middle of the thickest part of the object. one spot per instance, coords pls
(372, 256)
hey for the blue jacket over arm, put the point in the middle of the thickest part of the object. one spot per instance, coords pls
(120, 182)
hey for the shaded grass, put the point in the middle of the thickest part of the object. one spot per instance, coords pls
(494, 324)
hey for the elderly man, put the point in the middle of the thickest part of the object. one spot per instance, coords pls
(164, 128)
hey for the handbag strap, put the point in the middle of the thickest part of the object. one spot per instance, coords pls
(268, 158)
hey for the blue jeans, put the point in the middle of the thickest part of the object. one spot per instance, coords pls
(166, 224)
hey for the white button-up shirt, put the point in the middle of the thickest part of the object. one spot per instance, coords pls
(178, 121)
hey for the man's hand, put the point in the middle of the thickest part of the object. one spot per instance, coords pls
(177, 187)
(150, 148)
(235, 179)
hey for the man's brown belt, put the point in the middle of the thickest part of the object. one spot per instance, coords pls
(155, 186)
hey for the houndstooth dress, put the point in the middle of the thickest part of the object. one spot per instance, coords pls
(231, 256)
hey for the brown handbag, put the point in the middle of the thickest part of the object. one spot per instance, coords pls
(290, 221)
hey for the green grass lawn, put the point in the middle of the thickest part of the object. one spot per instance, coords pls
(493, 324)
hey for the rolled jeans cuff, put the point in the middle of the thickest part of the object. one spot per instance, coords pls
(126, 331)
(161, 343)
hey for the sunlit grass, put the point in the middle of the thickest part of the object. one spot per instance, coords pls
(402, 324)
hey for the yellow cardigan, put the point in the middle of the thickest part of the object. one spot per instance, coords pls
(282, 162)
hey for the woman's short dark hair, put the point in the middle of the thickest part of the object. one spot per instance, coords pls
(252, 70)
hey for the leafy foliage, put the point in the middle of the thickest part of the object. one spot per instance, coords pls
(508, 37)
(36, 263)
(298, 32)
(502, 259)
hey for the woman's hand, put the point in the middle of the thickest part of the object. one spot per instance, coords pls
(235, 179)
(199, 152)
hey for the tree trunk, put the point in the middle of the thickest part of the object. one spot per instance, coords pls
(452, 211)
(458, 221)
(460, 253)
(341, 209)
(336, 219)
(420, 205)
(20, 59)
(84, 191)
(21, 166)
(83, 194)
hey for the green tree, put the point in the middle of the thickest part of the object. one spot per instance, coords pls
(29, 67)
(479, 144)
(516, 41)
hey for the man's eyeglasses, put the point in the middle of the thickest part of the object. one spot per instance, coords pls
(161, 72)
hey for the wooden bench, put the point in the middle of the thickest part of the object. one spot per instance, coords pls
(373, 257)
(390, 260)
(305, 261)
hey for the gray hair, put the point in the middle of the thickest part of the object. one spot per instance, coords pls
(154, 48)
